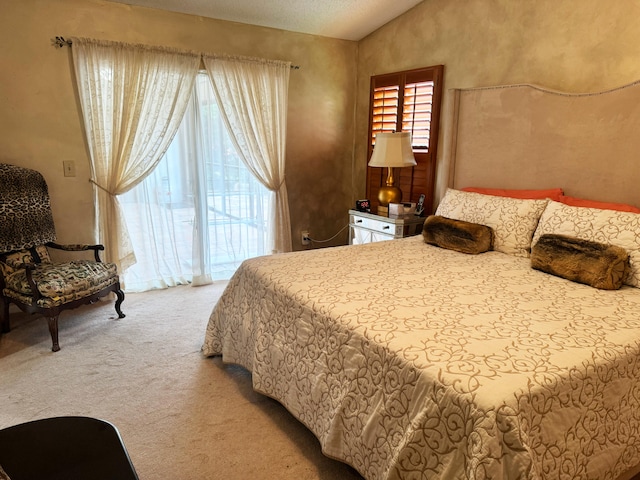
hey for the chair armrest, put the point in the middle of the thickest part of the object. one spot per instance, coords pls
(15, 265)
(78, 248)
(28, 267)
(34, 288)
(19, 265)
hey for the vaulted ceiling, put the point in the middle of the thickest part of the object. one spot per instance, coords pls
(344, 19)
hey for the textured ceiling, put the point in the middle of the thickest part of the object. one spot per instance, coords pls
(345, 19)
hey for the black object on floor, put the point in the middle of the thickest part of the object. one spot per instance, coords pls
(69, 448)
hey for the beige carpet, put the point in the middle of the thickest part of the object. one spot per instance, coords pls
(182, 416)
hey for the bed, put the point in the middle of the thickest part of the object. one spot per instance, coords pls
(414, 360)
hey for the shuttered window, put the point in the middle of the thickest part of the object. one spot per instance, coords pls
(385, 110)
(416, 113)
(409, 112)
(407, 101)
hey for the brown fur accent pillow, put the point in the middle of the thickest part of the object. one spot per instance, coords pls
(465, 237)
(583, 261)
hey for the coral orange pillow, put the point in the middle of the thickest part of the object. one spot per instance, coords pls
(552, 193)
(583, 202)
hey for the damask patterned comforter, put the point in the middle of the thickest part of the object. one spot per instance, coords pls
(410, 361)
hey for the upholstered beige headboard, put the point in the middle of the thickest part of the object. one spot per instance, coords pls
(523, 136)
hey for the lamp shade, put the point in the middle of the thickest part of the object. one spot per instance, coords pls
(393, 150)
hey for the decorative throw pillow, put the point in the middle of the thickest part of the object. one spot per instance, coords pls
(583, 261)
(603, 226)
(458, 235)
(512, 220)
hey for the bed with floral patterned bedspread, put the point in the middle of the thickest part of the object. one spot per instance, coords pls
(408, 360)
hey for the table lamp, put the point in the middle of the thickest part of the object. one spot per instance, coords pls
(392, 150)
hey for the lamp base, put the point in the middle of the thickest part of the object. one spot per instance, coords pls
(389, 194)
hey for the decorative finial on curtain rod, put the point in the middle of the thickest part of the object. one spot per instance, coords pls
(60, 42)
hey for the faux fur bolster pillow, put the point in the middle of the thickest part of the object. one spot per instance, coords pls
(583, 261)
(465, 237)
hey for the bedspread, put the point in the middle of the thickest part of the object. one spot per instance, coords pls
(411, 361)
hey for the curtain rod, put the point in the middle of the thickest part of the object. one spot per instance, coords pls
(62, 42)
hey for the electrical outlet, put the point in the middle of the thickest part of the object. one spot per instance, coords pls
(305, 238)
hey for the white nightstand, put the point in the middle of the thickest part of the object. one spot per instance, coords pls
(367, 227)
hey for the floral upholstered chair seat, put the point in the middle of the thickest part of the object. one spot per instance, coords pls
(59, 283)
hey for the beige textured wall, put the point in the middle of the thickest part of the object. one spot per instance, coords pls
(562, 44)
(40, 124)
(568, 45)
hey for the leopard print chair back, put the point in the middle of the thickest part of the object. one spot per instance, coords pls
(25, 209)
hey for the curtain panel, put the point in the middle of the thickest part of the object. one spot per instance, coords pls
(207, 211)
(253, 97)
(133, 98)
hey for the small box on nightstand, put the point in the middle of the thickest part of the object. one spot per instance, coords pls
(399, 209)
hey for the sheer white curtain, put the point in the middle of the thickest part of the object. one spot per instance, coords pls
(200, 213)
(253, 96)
(133, 98)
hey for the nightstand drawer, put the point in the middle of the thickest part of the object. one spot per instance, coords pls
(376, 225)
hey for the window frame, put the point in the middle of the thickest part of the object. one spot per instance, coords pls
(416, 180)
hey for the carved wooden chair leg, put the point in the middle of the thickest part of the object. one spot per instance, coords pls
(53, 329)
(120, 295)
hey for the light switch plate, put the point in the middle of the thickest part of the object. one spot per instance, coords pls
(69, 168)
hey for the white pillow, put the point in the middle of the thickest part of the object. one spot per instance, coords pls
(513, 220)
(604, 226)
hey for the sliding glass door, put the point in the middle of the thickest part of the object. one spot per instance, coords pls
(200, 213)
